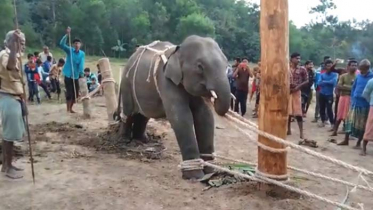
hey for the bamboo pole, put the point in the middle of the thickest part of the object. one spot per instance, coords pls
(84, 92)
(108, 84)
(274, 90)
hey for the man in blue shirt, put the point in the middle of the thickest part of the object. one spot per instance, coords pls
(73, 69)
(359, 110)
(327, 82)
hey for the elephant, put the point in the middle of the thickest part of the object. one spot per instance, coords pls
(177, 90)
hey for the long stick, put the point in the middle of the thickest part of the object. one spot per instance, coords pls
(24, 97)
(72, 67)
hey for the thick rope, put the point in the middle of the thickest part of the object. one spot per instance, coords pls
(251, 126)
(278, 183)
(318, 175)
(190, 165)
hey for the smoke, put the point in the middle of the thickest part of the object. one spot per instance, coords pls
(357, 50)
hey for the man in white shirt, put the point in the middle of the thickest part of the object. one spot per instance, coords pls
(44, 55)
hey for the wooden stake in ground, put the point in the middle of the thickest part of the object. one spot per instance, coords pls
(108, 84)
(274, 89)
(84, 93)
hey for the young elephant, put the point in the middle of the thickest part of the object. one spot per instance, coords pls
(175, 89)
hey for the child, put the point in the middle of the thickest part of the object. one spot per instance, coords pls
(38, 77)
(54, 75)
(32, 76)
(89, 76)
(93, 85)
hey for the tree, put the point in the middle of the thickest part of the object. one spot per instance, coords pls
(195, 24)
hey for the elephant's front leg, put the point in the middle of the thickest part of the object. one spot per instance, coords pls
(181, 120)
(204, 126)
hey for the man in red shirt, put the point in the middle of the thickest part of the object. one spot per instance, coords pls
(298, 80)
(242, 75)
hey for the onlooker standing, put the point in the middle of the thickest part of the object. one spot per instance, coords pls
(256, 83)
(12, 104)
(232, 81)
(73, 69)
(242, 75)
(44, 55)
(319, 71)
(359, 109)
(344, 86)
(40, 76)
(47, 67)
(36, 56)
(54, 76)
(307, 90)
(30, 65)
(327, 82)
(368, 134)
(298, 80)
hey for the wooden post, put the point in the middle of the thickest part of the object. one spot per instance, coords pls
(274, 89)
(108, 84)
(84, 91)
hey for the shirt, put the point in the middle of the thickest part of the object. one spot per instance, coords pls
(357, 99)
(55, 71)
(368, 92)
(297, 76)
(327, 82)
(90, 77)
(43, 57)
(311, 80)
(243, 76)
(345, 84)
(11, 81)
(78, 59)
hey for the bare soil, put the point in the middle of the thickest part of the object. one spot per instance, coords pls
(81, 164)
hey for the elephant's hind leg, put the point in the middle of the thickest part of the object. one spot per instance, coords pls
(204, 126)
(139, 127)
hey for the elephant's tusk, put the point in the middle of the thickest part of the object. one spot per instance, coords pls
(214, 94)
(234, 97)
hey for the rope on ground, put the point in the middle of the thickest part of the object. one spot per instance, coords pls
(318, 175)
(252, 127)
(288, 187)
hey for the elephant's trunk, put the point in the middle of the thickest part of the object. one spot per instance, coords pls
(223, 100)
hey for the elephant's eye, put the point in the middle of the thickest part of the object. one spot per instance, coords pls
(200, 68)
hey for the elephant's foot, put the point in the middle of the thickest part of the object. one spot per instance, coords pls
(143, 138)
(193, 174)
(207, 169)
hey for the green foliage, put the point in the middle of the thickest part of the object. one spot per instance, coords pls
(233, 24)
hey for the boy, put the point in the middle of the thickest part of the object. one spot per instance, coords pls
(54, 76)
(89, 76)
(93, 85)
(30, 65)
(41, 74)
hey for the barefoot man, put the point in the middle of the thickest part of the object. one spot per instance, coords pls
(368, 135)
(344, 86)
(298, 80)
(359, 109)
(11, 99)
(73, 69)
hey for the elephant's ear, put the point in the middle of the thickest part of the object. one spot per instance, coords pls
(172, 68)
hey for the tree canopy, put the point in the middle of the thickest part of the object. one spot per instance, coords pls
(115, 27)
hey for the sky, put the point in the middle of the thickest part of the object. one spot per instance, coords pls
(346, 10)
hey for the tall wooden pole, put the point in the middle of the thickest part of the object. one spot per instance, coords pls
(274, 89)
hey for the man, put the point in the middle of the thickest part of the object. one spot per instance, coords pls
(344, 86)
(327, 83)
(307, 89)
(319, 71)
(298, 80)
(12, 106)
(89, 76)
(242, 75)
(44, 55)
(73, 69)
(32, 75)
(232, 81)
(40, 79)
(47, 67)
(359, 109)
(368, 134)
(54, 75)
(256, 90)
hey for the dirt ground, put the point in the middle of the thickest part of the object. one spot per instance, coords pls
(78, 169)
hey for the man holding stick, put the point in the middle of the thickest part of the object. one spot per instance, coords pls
(12, 106)
(73, 69)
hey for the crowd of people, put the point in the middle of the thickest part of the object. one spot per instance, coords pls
(348, 89)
